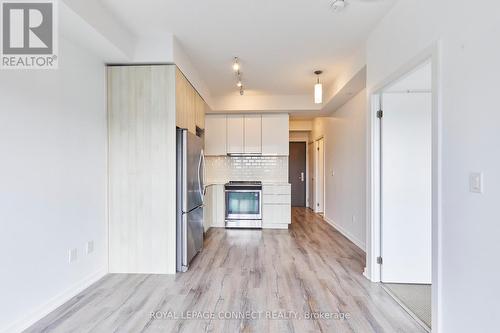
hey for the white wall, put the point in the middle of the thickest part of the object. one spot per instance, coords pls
(53, 176)
(92, 26)
(345, 155)
(467, 267)
(300, 125)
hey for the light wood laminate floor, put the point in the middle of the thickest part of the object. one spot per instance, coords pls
(309, 269)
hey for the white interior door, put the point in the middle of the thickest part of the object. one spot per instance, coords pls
(320, 174)
(406, 166)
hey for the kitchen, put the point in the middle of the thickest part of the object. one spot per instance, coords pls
(231, 170)
(248, 148)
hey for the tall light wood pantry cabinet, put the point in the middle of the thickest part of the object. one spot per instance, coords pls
(145, 104)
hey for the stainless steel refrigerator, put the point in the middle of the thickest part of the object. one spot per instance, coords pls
(190, 193)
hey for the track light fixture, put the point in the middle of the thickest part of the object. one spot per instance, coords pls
(337, 5)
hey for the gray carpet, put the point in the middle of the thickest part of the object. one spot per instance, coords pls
(416, 297)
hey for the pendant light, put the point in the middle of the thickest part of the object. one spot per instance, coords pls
(318, 89)
(236, 69)
(236, 64)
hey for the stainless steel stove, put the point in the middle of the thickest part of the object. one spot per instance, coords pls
(243, 204)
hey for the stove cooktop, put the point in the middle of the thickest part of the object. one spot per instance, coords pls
(244, 182)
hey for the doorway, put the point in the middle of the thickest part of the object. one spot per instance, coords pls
(406, 190)
(297, 172)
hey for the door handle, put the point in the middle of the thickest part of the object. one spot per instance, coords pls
(200, 185)
(301, 177)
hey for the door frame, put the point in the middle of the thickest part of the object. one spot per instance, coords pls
(310, 179)
(307, 168)
(323, 182)
(373, 246)
(315, 164)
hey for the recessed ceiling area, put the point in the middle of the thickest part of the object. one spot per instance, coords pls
(279, 43)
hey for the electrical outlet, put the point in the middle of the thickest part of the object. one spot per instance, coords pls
(90, 247)
(73, 255)
(476, 182)
(353, 219)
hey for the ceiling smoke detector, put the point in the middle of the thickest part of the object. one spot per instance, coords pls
(337, 5)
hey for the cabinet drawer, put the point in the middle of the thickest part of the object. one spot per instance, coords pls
(284, 199)
(276, 214)
(276, 189)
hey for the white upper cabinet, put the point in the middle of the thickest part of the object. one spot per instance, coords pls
(253, 134)
(275, 134)
(235, 134)
(215, 135)
(265, 134)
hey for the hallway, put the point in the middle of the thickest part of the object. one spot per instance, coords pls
(285, 274)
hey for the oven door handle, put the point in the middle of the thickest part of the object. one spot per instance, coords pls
(245, 191)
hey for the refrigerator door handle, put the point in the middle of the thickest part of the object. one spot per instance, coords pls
(203, 172)
(199, 176)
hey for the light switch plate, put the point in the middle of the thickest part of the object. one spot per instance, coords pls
(476, 182)
(90, 247)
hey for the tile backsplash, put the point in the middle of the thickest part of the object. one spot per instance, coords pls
(221, 169)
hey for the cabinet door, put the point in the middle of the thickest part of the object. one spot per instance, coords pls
(185, 102)
(141, 98)
(275, 134)
(191, 107)
(220, 204)
(199, 111)
(215, 135)
(208, 212)
(253, 134)
(180, 101)
(235, 134)
(276, 214)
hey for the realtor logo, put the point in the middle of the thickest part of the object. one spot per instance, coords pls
(28, 34)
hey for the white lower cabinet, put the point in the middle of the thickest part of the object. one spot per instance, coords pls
(214, 207)
(276, 206)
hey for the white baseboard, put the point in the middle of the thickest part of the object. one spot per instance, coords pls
(52, 304)
(346, 233)
(275, 226)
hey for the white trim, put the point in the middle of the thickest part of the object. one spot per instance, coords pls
(52, 304)
(346, 233)
(316, 181)
(372, 270)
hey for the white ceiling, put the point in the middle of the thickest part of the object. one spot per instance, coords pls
(279, 42)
